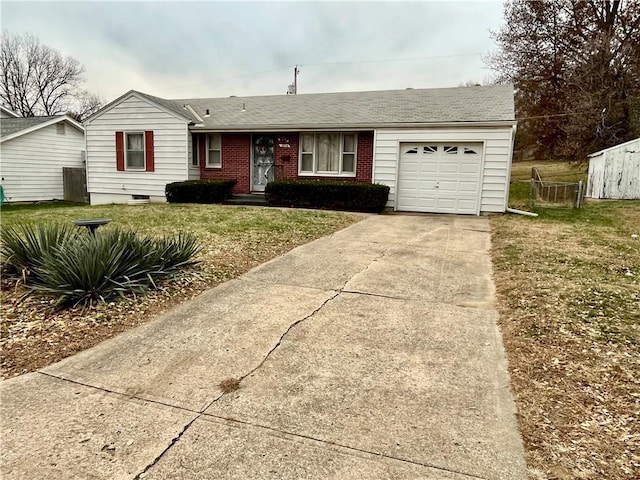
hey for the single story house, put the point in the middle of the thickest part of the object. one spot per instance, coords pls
(445, 150)
(33, 151)
(615, 172)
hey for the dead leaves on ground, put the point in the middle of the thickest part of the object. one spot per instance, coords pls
(570, 319)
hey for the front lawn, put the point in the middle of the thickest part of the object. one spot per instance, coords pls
(232, 240)
(568, 291)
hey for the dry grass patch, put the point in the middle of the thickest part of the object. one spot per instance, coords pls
(568, 288)
(229, 385)
(233, 240)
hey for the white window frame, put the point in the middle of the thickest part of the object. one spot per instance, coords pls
(321, 173)
(208, 164)
(126, 153)
(195, 151)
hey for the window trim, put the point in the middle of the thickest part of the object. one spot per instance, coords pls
(208, 149)
(315, 172)
(143, 168)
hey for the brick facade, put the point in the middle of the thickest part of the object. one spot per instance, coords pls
(236, 159)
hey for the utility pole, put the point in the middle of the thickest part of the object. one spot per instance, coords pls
(293, 88)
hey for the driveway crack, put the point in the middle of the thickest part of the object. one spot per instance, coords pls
(284, 335)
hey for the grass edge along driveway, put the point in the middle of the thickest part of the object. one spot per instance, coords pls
(568, 292)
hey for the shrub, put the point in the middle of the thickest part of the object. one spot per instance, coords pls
(84, 269)
(199, 191)
(333, 195)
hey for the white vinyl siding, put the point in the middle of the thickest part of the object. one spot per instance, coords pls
(496, 158)
(170, 150)
(31, 164)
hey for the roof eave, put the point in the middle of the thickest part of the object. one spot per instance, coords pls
(349, 126)
(600, 152)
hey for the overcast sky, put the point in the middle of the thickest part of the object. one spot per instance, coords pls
(215, 49)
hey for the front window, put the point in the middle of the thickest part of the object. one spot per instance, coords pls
(328, 153)
(214, 154)
(135, 151)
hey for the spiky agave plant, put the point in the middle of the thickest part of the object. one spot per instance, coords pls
(93, 268)
(23, 246)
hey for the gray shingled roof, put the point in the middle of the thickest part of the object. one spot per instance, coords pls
(438, 105)
(173, 105)
(9, 126)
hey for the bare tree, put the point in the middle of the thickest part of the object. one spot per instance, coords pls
(576, 68)
(38, 80)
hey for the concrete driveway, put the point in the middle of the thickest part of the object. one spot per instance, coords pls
(372, 353)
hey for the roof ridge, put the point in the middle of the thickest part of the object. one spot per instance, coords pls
(400, 90)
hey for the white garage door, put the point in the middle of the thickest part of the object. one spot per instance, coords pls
(440, 177)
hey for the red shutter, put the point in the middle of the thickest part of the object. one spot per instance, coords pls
(148, 148)
(120, 151)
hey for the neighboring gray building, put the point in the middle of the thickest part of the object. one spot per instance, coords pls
(33, 151)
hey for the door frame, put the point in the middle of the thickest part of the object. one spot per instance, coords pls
(251, 163)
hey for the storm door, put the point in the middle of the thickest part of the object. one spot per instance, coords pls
(262, 171)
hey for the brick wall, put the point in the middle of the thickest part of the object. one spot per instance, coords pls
(236, 158)
(284, 167)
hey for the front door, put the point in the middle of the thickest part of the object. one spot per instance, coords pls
(263, 160)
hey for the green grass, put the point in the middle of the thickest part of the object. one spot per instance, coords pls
(590, 254)
(550, 170)
(202, 220)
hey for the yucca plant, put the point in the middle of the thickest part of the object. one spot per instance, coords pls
(23, 246)
(81, 269)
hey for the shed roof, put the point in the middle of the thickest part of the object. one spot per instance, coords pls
(621, 145)
(15, 127)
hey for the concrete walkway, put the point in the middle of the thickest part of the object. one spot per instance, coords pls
(372, 353)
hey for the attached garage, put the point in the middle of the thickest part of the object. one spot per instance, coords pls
(459, 161)
(440, 178)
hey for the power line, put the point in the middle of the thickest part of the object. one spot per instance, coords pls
(412, 59)
(549, 116)
(358, 62)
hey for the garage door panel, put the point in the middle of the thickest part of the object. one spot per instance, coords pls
(447, 187)
(440, 178)
(428, 167)
(470, 168)
(449, 168)
(468, 187)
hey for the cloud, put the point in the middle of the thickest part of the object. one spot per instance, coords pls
(183, 49)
